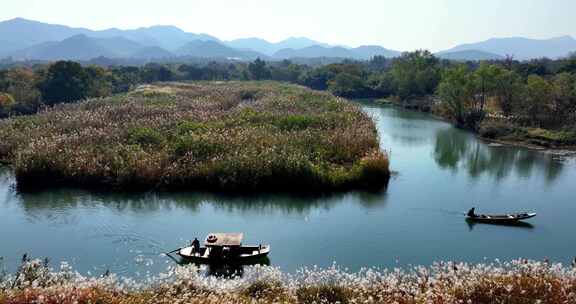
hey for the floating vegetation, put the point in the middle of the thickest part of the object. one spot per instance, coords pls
(519, 281)
(232, 136)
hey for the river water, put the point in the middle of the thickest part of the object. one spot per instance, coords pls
(441, 173)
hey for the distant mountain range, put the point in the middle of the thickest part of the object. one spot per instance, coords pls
(468, 55)
(24, 39)
(269, 48)
(315, 51)
(523, 48)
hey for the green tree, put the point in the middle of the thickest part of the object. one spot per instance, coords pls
(416, 74)
(65, 81)
(569, 64)
(484, 84)
(317, 78)
(348, 85)
(538, 100)
(153, 72)
(21, 84)
(382, 84)
(125, 78)
(456, 91)
(259, 70)
(508, 90)
(6, 104)
(564, 105)
(100, 84)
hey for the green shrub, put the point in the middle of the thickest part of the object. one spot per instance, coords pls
(200, 147)
(495, 130)
(185, 127)
(295, 122)
(145, 137)
(6, 104)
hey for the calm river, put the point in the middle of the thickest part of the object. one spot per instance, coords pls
(442, 172)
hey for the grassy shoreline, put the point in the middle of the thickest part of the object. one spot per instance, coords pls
(519, 281)
(500, 132)
(223, 136)
(533, 138)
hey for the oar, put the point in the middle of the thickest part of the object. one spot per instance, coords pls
(175, 250)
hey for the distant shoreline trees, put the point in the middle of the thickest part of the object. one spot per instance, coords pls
(537, 93)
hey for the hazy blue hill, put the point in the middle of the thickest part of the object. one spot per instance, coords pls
(79, 47)
(167, 37)
(269, 48)
(255, 44)
(468, 55)
(151, 52)
(119, 46)
(363, 52)
(315, 51)
(213, 49)
(298, 43)
(8, 47)
(369, 51)
(29, 39)
(523, 48)
(19, 33)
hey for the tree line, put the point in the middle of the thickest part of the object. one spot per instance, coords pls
(539, 93)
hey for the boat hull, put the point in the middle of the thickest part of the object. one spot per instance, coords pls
(501, 219)
(245, 255)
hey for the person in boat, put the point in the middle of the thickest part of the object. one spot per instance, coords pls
(195, 245)
(472, 213)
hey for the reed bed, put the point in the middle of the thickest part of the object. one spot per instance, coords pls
(519, 281)
(237, 136)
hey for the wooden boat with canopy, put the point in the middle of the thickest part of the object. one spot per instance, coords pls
(223, 248)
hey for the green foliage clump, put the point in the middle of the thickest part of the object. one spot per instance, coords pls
(200, 147)
(66, 81)
(296, 122)
(495, 130)
(145, 137)
(6, 103)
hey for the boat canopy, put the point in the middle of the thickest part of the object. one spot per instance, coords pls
(224, 240)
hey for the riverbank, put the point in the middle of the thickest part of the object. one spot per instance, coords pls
(532, 138)
(498, 130)
(518, 281)
(223, 136)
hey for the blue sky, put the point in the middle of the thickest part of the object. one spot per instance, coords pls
(396, 24)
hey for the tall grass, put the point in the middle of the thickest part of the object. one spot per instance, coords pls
(238, 136)
(515, 282)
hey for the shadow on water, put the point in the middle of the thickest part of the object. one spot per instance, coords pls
(53, 202)
(458, 150)
(225, 270)
(65, 198)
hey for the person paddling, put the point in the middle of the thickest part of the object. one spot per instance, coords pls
(472, 213)
(195, 246)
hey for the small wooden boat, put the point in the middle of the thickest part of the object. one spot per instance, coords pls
(500, 218)
(224, 248)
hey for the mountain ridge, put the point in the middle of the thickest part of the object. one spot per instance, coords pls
(523, 48)
(28, 39)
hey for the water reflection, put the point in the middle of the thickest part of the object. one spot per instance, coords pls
(53, 204)
(524, 225)
(457, 150)
(227, 270)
